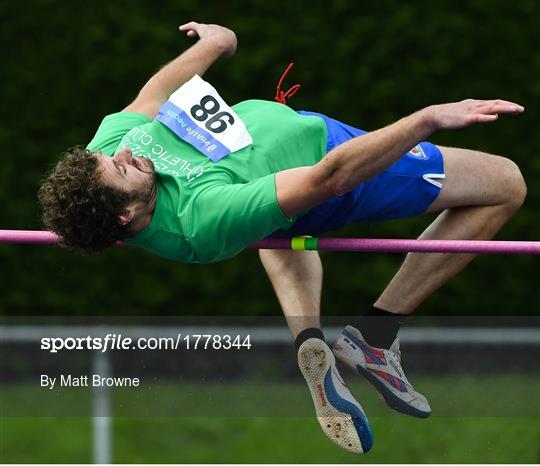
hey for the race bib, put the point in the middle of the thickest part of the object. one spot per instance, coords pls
(198, 115)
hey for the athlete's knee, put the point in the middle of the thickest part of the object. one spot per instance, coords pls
(513, 183)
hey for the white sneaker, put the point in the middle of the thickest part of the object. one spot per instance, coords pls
(382, 368)
(341, 417)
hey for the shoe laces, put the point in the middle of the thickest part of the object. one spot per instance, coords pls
(396, 356)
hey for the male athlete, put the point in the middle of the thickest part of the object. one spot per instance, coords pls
(180, 173)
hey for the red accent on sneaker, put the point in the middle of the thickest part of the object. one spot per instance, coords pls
(392, 380)
(321, 394)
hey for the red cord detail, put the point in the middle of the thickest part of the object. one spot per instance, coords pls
(281, 96)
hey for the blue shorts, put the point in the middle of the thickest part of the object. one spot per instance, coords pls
(405, 189)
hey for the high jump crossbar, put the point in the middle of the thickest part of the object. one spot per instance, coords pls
(333, 244)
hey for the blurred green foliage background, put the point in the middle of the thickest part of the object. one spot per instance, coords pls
(68, 64)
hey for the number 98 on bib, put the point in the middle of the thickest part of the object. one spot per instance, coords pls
(198, 115)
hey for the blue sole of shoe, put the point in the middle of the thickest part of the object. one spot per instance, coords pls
(359, 420)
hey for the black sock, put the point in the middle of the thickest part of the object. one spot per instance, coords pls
(306, 335)
(380, 328)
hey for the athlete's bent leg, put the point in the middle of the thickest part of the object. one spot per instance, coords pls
(479, 194)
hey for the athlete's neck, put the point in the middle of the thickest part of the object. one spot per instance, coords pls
(144, 218)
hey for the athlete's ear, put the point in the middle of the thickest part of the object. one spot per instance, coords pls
(126, 216)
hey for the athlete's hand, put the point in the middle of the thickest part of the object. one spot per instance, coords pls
(223, 38)
(468, 112)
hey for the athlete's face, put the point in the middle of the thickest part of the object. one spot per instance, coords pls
(132, 175)
(127, 173)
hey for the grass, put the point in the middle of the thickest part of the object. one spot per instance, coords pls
(476, 420)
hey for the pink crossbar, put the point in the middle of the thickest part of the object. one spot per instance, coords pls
(409, 245)
(336, 244)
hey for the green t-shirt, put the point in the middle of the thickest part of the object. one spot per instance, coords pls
(206, 211)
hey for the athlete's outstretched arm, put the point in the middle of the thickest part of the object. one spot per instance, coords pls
(361, 158)
(214, 42)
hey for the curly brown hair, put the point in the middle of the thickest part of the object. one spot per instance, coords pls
(79, 207)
